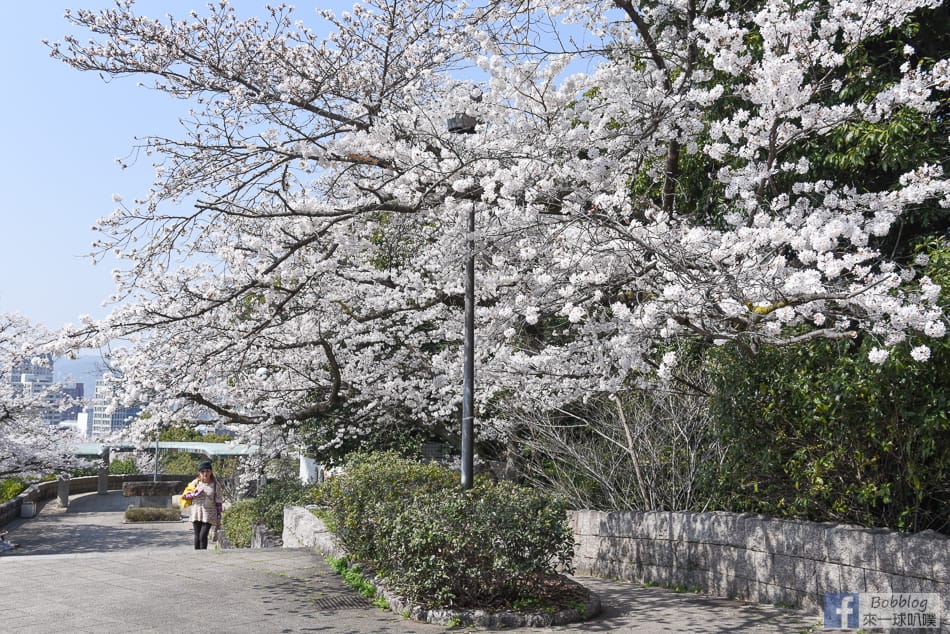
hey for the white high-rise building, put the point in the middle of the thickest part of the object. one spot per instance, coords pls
(36, 377)
(108, 417)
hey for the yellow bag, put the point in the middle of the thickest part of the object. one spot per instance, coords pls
(190, 488)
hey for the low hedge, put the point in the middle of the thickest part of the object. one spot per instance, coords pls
(238, 523)
(11, 487)
(152, 514)
(373, 488)
(438, 545)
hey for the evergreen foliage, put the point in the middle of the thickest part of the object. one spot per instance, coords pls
(439, 545)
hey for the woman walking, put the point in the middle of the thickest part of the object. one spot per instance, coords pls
(207, 496)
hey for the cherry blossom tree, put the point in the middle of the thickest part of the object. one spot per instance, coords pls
(28, 445)
(300, 254)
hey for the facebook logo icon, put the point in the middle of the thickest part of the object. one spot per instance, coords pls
(841, 610)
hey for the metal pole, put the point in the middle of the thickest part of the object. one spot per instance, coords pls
(155, 475)
(468, 368)
(462, 123)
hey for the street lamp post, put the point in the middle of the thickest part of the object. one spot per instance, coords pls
(464, 124)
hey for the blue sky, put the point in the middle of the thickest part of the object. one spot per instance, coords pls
(61, 132)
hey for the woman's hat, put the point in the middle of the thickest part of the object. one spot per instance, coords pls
(204, 464)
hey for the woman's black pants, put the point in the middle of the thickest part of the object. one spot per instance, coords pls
(201, 534)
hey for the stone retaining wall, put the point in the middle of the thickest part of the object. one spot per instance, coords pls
(10, 510)
(302, 529)
(760, 559)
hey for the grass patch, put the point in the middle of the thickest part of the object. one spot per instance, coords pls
(10, 488)
(149, 514)
(354, 578)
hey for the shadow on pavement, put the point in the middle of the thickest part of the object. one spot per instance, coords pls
(92, 523)
(633, 608)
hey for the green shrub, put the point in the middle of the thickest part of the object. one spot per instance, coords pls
(440, 545)
(818, 432)
(151, 514)
(271, 499)
(123, 466)
(238, 523)
(470, 548)
(372, 488)
(10, 488)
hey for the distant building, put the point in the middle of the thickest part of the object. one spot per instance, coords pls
(84, 423)
(33, 371)
(74, 391)
(36, 377)
(108, 417)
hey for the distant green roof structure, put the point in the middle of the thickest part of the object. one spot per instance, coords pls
(211, 449)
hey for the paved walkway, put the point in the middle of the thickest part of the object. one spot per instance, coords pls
(83, 570)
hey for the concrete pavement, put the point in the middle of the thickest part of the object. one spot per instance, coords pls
(84, 570)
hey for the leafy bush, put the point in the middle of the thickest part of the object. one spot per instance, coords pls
(10, 488)
(238, 523)
(271, 499)
(819, 432)
(375, 486)
(123, 466)
(469, 548)
(440, 545)
(846, 440)
(151, 514)
(267, 508)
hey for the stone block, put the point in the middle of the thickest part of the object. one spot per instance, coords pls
(814, 540)
(586, 547)
(753, 530)
(737, 588)
(915, 584)
(697, 555)
(764, 592)
(151, 489)
(657, 553)
(616, 547)
(724, 562)
(842, 543)
(793, 543)
(303, 529)
(793, 597)
(717, 585)
(62, 492)
(654, 525)
(883, 582)
(750, 563)
(657, 574)
(607, 568)
(624, 524)
(853, 579)
(152, 501)
(941, 568)
(687, 526)
(862, 547)
(584, 567)
(788, 571)
(828, 577)
(261, 537)
(813, 601)
(589, 522)
(693, 527)
(889, 552)
(921, 551)
(722, 528)
(773, 534)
